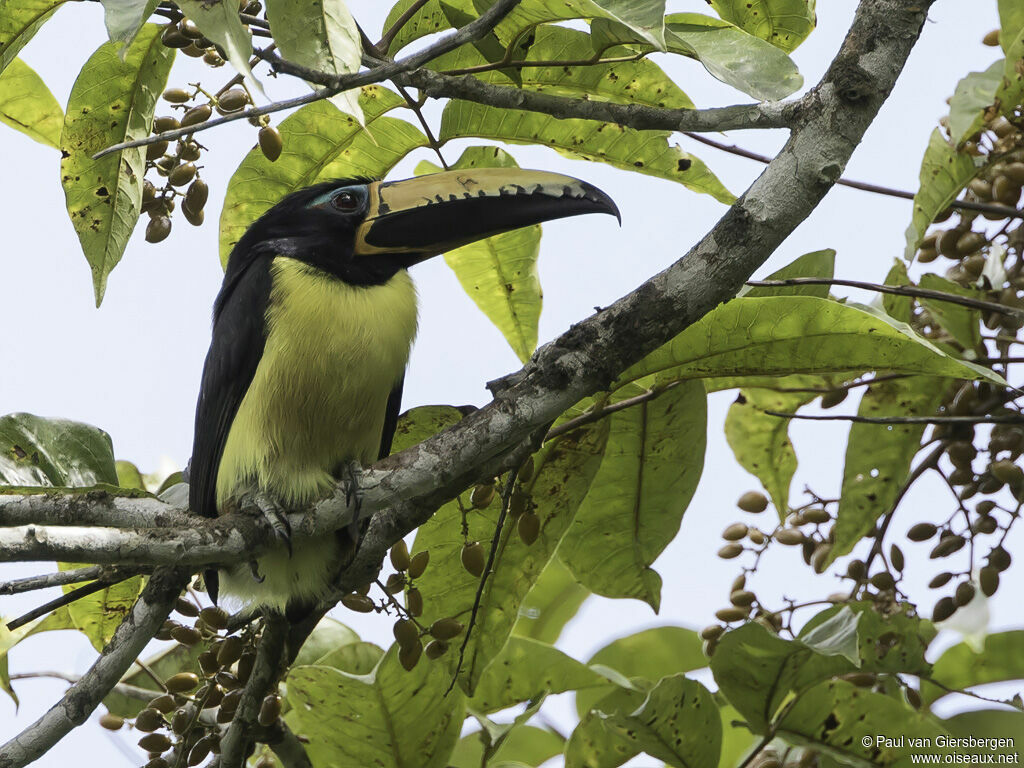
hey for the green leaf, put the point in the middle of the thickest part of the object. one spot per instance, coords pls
(124, 18)
(813, 264)
(783, 23)
(218, 20)
(835, 636)
(796, 334)
(526, 744)
(111, 101)
(417, 424)
(389, 718)
(878, 456)
(961, 667)
(35, 451)
(651, 466)
(427, 20)
(944, 173)
(648, 655)
(27, 105)
(838, 716)
(760, 441)
(321, 35)
(358, 658)
(528, 669)
(899, 308)
(19, 22)
(647, 152)
(320, 142)
(734, 56)
(129, 476)
(962, 323)
(329, 635)
(737, 741)
(564, 468)
(167, 662)
(97, 616)
(973, 95)
(989, 724)
(500, 273)
(645, 17)
(677, 723)
(550, 604)
(594, 745)
(1010, 92)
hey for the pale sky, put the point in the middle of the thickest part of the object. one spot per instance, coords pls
(132, 367)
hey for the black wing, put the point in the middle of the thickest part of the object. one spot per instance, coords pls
(238, 340)
(394, 407)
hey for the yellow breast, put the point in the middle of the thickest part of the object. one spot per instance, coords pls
(333, 353)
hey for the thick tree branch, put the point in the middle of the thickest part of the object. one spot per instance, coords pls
(146, 617)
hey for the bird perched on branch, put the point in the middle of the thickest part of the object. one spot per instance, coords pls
(311, 335)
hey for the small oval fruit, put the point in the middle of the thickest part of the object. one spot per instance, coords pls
(182, 175)
(969, 242)
(270, 142)
(111, 722)
(999, 559)
(435, 649)
(176, 95)
(883, 580)
(189, 29)
(189, 151)
(446, 629)
(394, 584)
(820, 556)
(200, 750)
(418, 564)
(232, 101)
(149, 720)
(408, 656)
(358, 603)
(158, 229)
(156, 150)
(406, 632)
(171, 37)
(742, 598)
(526, 470)
(180, 721)
(922, 531)
(712, 632)
(896, 558)
(230, 701)
(753, 501)
(816, 515)
(991, 38)
(731, 550)
(731, 614)
(518, 502)
(186, 608)
(270, 710)
(529, 528)
(940, 580)
(182, 682)
(196, 196)
(965, 592)
(164, 703)
(230, 650)
(482, 496)
(473, 558)
(196, 115)
(187, 636)
(215, 617)
(155, 742)
(790, 537)
(245, 665)
(414, 602)
(400, 556)
(855, 569)
(195, 219)
(947, 546)
(988, 577)
(735, 532)
(165, 123)
(944, 608)
(213, 59)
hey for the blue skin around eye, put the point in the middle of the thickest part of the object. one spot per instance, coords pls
(325, 198)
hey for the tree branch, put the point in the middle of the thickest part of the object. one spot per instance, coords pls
(60, 578)
(897, 290)
(124, 689)
(980, 419)
(74, 708)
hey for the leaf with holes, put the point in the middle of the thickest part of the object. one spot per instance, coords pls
(525, 745)
(960, 322)
(392, 718)
(111, 101)
(35, 451)
(944, 173)
(320, 142)
(27, 105)
(975, 93)
(500, 273)
(97, 616)
(425, 20)
(321, 36)
(644, 17)
(783, 23)
(651, 466)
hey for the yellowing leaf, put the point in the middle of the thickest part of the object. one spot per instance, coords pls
(27, 105)
(19, 22)
(783, 23)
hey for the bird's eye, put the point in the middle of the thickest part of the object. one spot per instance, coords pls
(345, 201)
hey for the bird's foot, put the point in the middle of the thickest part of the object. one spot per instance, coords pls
(254, 569)
(353, 495)
(272, 511)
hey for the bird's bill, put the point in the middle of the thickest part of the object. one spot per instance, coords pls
(433, 214)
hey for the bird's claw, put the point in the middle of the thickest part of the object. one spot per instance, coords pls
(274, 514)
(254, 569)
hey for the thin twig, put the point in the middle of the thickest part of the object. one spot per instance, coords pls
(897, 290)
(60, 578)
(980, 419)
(415, 106)
(65, 599)
(607, 410)
(1004, 211)
(133, 692)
